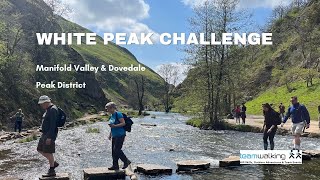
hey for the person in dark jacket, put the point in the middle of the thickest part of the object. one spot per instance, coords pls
(243, 113)
(269, 126)
(300, 119)
(18, 120)
(49, 129)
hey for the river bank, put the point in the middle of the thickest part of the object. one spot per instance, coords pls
(254, 124)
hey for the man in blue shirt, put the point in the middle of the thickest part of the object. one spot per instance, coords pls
(299, 115)
(117, 135)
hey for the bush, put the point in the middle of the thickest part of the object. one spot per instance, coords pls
(93, 130)
(33, 137)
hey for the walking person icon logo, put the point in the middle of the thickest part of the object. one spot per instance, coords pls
(295, 154)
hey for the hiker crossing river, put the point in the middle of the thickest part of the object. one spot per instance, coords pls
(170, 141)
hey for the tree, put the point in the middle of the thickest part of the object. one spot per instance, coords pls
(218, 62)
(169, 73)
(140, 85)
(58, 8)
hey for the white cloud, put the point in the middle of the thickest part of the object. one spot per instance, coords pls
(111, 15)
(245, 3)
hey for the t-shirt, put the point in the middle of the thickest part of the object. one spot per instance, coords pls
(117, 131)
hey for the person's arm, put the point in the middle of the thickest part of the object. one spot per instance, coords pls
(287, 116)
(53, 115)
(305, 114)
(121, 120)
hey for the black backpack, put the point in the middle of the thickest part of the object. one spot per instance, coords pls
(278, 118)
(127, 120)
(62, 117)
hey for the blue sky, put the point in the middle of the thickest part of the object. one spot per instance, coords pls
(157, 16)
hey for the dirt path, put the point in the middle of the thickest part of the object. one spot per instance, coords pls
(257, 121)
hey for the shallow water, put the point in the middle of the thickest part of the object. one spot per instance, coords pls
(77, 150)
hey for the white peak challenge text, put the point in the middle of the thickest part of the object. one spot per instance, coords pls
(163, 38)
(89, 68)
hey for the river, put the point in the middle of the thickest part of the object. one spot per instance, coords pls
(77, 150)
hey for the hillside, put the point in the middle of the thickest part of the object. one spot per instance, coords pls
(310, 97)
(19, 55)
(259, 74)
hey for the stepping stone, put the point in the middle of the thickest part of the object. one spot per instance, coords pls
(306, 157)
(146, 124)
(59, 176)
(230, 161)
(102, 173)
(153, 169)
(313, 153)
(192, 165)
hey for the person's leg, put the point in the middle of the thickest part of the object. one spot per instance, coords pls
(297, 141)
(115, 157)
(20, 126)
(118, 147)
(297, 131)
(271, 138)
(265, 139)
(15, 126)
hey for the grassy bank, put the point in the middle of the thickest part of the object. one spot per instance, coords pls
(309, 96)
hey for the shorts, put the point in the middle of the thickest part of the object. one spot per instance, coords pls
(297, 128)
(43, 147)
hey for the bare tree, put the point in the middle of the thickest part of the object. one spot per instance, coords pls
(169, 73)
(58, 8)
(140, 90)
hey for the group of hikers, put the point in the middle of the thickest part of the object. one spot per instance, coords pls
(297, 112)
(49, 128)
(299, 116)
(240, 112)
(46, 146)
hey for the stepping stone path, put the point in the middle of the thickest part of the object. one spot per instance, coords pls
(103, 173)
(146, 124)
(313, 153)
(230, 161)
(192, 165)
(59, 176)
(153, 169)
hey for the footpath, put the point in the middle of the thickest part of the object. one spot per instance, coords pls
(257, 122)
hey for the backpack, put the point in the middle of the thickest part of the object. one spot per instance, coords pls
(127, 120)
(278, 118)
(62, 117)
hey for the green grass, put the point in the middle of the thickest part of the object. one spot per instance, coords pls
(28, 139)
(93, 130)
(196, 122)
(309, 96)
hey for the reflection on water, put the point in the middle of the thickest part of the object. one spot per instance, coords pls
(77, 150)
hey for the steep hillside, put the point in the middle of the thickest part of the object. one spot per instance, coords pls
(310, 97)
(20, 20)
(289, 67)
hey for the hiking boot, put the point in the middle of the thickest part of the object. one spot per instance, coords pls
(55, 164)
(51, 173)
(125, 165)
(113, 168)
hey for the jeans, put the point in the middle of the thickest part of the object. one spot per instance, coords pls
(18, 125)
(270, 136)
(117, 153)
